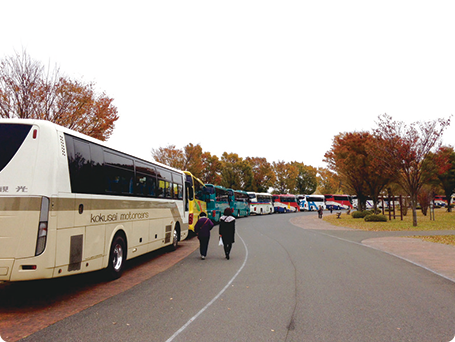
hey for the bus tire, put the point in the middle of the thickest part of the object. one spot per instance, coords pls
(175, 237)
(117, 257)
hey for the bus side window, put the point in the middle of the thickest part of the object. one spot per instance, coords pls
(80, 167)
(161, 192)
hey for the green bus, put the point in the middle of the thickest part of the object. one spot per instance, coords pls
(240, 203)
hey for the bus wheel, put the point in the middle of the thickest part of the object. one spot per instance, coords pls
(175, 238)
(117, 257)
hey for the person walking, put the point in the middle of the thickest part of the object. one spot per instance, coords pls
(320, 211)
(202, 229)
(227, 230)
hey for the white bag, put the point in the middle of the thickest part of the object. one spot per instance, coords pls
(220, 243)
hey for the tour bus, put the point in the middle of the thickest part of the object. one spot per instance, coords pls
(440, 201)
(313, 202)
(195, 193)
(239, 202)
(301, 199)
(217, 199)
(260, 203)
(69, 204)
(355, 202)
(285, 203)
(338, 202)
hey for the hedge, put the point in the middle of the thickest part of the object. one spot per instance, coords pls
(361, 214)
(376, 218)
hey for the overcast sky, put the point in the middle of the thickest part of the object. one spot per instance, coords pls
(273, 79)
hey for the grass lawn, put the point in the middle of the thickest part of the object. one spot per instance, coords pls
(443, 221)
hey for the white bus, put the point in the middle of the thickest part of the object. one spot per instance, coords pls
(313, 202)
(260, 203)
(69, 204)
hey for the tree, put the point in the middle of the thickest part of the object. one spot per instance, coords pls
(404, 148)
(353, 157)
(212, 169)
(306, 181)
(443, 163)
(170, 156)
(193, 160)
(286, 175)
(328, 181)
(236, 173)
(263, 175)
(29, 91)
(425, 197)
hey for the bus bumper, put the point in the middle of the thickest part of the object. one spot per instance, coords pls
(22, 269)
(6, 265)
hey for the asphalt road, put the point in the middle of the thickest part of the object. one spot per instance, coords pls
(282, 283)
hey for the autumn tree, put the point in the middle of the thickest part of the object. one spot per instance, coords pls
(193, 159)
(286, 177)
(263, 175)
(29, 91)
(403, 148)
(353, 157)
(328, 182)
(212, 167)
(306, 181)
(425, 196)
(236, 173)
(442, 163)
(170, 156)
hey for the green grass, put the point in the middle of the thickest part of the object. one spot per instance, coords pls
(443, 221)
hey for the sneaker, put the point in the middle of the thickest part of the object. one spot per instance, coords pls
(202, 257)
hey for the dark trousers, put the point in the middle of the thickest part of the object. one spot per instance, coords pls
(203, 244)
(227, 248)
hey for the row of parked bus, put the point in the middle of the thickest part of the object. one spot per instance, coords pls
(214, 199)
(71, 204)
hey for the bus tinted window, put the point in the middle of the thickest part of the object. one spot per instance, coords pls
(163, 174)
(119, 181)
(11, 138)
(118, 161)
(164, 189)
(145, 185)
(80, 167)
(145, 169)
(98, 170)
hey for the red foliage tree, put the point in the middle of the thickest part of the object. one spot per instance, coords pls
(403, 149)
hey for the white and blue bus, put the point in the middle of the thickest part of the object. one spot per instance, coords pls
(69, 204)
(313, 202)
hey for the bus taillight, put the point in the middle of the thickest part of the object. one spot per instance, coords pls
(42, 227)
(190, 219)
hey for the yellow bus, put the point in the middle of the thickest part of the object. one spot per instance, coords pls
(69, 204)
(196, 198)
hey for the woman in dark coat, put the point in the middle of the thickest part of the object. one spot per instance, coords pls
(202, 228)
(227, 230)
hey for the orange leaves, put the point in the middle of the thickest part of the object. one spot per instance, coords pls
(27, 90)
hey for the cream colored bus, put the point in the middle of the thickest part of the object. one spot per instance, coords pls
(69, 204)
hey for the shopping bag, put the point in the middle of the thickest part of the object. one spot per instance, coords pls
(220, 243)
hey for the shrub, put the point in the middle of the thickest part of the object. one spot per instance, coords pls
(375, 218)
(361, 214)
(357, 214)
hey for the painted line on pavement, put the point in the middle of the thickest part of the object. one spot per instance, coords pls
(214, 299)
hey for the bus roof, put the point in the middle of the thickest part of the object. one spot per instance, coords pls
(51, 125)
